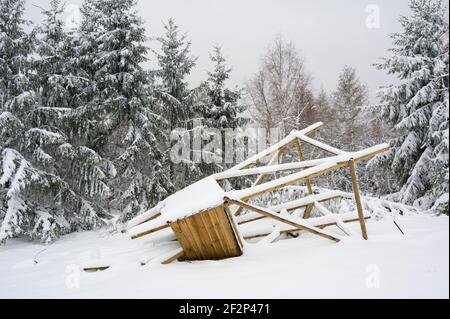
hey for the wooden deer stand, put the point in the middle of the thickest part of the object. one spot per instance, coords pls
(206, 220)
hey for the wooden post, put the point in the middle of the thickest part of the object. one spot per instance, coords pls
(171, 259)
(302, 158)
(358, 200)
(309, 208)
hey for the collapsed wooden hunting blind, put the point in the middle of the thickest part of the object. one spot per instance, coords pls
(211, 224)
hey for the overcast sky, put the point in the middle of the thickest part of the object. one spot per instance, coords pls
(328, 33)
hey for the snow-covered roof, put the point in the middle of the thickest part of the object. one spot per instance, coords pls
(197, 197)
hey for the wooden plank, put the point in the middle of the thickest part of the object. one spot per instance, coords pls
(321, 145)
(292, 208)
(270, 169)
(177, 256)
(221, 230)
(358, 200)
(233, 226)
(277, 217)
(207, 236)
(153, 230)
(295, 181)
(302, 158)
(319, 173)
(95, 269)
(188, 227)
(211, 227)
(251, 220)
(206, 242)
(149, 219)
(270, 150)
(308, 211)
(227, 233)
(294, 230)
(184, 241)
(320, 201)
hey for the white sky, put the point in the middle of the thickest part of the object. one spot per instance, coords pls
(328, 33)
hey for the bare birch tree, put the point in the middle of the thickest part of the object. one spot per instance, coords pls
(280, 93)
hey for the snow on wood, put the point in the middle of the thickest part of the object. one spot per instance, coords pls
(265, 226)
(197, 197)
(144, 217)
(339, 222)
(293, 221)
(311, 199)
(339, 159)
(318, 144)
(276, 146)
(200, 203)
(283, 181)
(267, 169)
(274, 234)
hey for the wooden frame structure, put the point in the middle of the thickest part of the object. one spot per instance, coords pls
(213, 232)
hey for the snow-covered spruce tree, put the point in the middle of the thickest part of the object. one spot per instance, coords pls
(60, 88)
(124, 129)
(31, 191)
(220, 108)
(175, 64)
(417, 107)
(347, 103)
(176, 98)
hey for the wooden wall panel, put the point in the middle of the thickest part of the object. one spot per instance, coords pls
(208, 235)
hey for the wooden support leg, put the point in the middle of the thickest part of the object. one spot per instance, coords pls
(302, 158)
(308, 208)
(171, 259)
(358, 200)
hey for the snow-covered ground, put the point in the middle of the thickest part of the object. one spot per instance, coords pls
(389, 265)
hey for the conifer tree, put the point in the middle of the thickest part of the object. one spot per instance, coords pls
(126, 127)
(347, 104)
(220, 109)
(31, 191)
(174, 95)
(417, 107)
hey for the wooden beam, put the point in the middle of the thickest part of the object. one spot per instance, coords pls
(153, 230)
(270, 169)
(322, 146)
(297, 206)
(270, 150)
(177, 256)
(148, 219)
(362, 155)
(308, 211)
(358, 200)
(95, 269)
(279, 218)
(302, 158)
(310, 207)
(294, 230)
(233, 225)
(272, 188)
